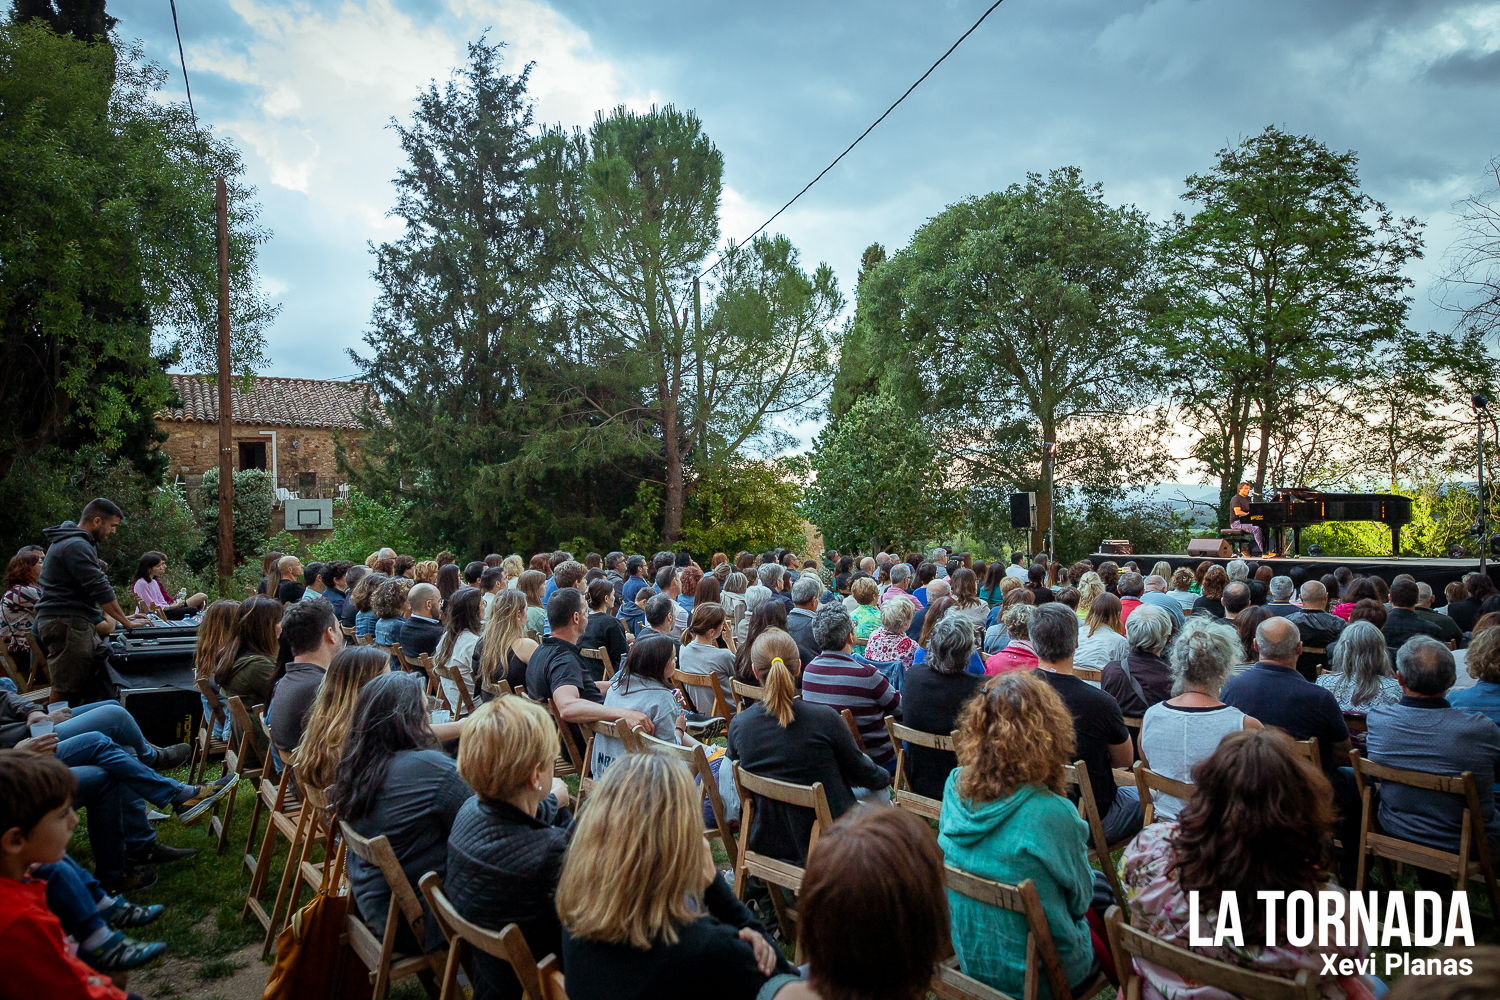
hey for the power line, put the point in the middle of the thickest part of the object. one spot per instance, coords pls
(856, 142)
(183, 59)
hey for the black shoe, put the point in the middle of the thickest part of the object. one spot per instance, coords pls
(134, 880)
(158, 853)
(172, 757)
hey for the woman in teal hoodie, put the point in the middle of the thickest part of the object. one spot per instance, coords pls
(1005, 818)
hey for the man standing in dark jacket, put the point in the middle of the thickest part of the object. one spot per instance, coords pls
(76, 596)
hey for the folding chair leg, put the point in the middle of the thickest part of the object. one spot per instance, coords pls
(783, 913)
(255, 814)
(228, 815)
(291, 875)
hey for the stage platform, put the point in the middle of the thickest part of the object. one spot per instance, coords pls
(1436, 573)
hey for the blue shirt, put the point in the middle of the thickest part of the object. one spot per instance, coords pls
(633, 586)
(976, 662)
(550, 589)
(921, 595)
(1281, 697)
(1167, 604)
(364, 623)
(1483, 697)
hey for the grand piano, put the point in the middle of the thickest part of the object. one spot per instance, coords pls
(1294, 509)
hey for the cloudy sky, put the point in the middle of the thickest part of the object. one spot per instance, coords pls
(1138, 94)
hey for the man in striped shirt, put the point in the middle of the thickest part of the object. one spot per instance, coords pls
(835, 678)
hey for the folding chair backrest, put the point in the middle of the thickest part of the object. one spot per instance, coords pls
(776, 873)
(1076, 775)
(859, 740)
(1308, 748)
(1129, 943)
(434, 687)
(1088, 674)
(377, 851)
(401, 657)
(508, 943)
(744, 693)
(697, 762)
(606, 665)
(1355, 721)
(1041, 950)
(240, 716)
(901, 793)
(573, 759)
(39, 664)
(215, 706)
(446, 672)
(710, 682)
(806, 796)
(1149, 782)
(497, 689)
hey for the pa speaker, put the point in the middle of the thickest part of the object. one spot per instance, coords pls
(1209, 547)
(166, 715)
(1022, 509)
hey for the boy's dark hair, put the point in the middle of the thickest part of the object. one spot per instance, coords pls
(493, 559)
(332, 571)
(472, 572)
(100, 507)
(31, 786)
(490, 577)
(658, 610)
(311, 572)
(684, 558)
(634, 564)
(303, 624)
(564, 603)
(404, 563)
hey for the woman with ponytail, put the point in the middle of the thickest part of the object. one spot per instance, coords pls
(792, 740)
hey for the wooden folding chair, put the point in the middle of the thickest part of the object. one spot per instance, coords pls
(379, 955)
(497, 689)
(434, 688)
(508, 943)
(697, 762)
(718, 721)
(348, 631)
(859, 740)
(205, 746)
(1129, 943)
(533, 636)
(1355, 722)
(283, 819)
(1089, 674)
(1041, 950)
(39, 665)
(364, 640)
(315, 827)
(951, 983)
(901, 793)
(587, 778)
(606, 665)
(401, 657)
(776, 874)
(11, 670)
(1149, 782)
(241, 762)
(571, 759)
(553, 984)
(1308, 749)
(1076, 775)
(744, 693)
(442, 673)
(1473, 838)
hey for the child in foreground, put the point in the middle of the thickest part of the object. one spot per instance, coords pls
(36, 822)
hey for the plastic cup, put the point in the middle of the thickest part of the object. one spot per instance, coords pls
(42, 728)
(53, 706)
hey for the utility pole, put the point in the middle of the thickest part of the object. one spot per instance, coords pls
(226, 430)
(702, 443)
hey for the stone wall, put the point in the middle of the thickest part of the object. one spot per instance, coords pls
(305, 461)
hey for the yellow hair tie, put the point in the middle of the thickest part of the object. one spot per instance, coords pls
(776, 659)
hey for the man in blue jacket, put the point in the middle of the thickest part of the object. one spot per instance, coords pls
(76, 596)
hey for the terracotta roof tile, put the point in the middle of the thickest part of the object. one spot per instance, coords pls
(284, 402)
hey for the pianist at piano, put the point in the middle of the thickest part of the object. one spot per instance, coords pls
(1240, 517)
(1293, 509)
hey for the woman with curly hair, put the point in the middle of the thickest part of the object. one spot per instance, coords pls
(1005, 817)
(362, 595)
(1214, 582)
(18, 606)
(391, 608)
(1258, 821)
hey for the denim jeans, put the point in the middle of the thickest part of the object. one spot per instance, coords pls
(110, 719)
(73, 895)
(1125, 815)
(111, 785)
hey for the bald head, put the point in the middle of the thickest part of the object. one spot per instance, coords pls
(1278, 641)
(425, 599)
(1314, 596)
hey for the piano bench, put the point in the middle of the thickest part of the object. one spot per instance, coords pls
(1236, 537)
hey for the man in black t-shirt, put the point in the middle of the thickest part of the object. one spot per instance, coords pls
(556, 671)
(1101, 740)
(1239, 507)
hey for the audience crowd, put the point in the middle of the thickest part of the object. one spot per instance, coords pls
(432, 703)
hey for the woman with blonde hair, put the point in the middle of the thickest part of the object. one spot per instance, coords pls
(513, 567)
(793, 740)
(865, 613)
(425, 571)
(642, 906)
(1104, 641)
(317, 756)
(890, 642)
(1006, 817)
(504, 649)
(1090, 587)
(533, 586)
(505, 852)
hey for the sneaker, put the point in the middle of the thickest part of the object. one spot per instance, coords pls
(152, 816)
(134, 880)
(157, 853)
(172, 757)
(202, 800)
(126, 914)
(120, 953)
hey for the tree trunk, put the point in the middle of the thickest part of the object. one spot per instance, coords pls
(672, 513)
(1044, 496)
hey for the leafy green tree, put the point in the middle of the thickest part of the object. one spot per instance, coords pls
(108, 253)
(1014, 319)
(85, 20)
(878, 481)
(1283, 283)
(744, 506)
(254, 499)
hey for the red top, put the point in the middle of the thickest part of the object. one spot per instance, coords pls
(1127, 605)
(37, 960)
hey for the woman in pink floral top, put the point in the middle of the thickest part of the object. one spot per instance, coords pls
(889, 642)
(18, 606)
(1283, 815)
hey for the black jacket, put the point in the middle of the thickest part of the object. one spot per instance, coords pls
(799, 623)
(605, 630)
(1152, 673)
(503, 867)
(420, 636)
(708, 950)
(73, 583)
(1403, 623)
(930, 703)
(1318, 629)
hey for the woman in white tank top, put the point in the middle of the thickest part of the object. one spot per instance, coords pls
(1186, 728)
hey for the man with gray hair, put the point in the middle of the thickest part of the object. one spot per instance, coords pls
(770, 576)
(1130, 586)
(799, 621)
(1237, 569)
(836, 679)
(1142, 677)
(1272, 691)
(940, 560)
(1099, 734)
(1156, 595)
(1451, 632)
(903, 578)
(1280, 592)
(1423, 732)
(1318, 628)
